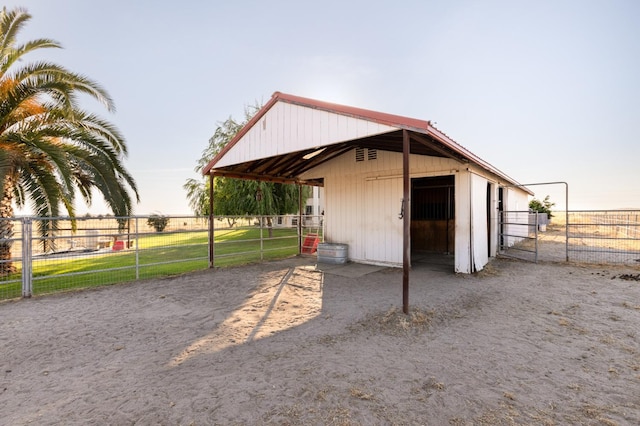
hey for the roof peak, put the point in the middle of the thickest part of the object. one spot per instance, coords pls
(366, 114)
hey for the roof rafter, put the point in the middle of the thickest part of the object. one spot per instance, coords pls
(266, 178)
(431, 145)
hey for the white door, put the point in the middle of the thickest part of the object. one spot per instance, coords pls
(479, 232)
(381, 225)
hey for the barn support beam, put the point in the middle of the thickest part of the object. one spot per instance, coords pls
(406, 220)
(300, 206)
(431, 145)
(211, 223)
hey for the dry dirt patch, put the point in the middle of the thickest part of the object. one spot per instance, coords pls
(281, 343)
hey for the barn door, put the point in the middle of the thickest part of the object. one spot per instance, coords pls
(479, 223)
(382, 226)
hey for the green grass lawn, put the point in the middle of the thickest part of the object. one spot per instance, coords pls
(156, 255)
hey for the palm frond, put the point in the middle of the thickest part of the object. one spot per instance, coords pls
(53, 148)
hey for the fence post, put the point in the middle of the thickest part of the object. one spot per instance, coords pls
(136, 241)
(536, 235)
(27, 258)
(261, 239)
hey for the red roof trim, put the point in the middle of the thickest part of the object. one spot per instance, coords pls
(447, 141)
(378, 117)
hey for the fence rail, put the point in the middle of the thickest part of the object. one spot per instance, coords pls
(39, 256)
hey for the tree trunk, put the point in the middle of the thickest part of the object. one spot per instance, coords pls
(270, 226)
(6, 227)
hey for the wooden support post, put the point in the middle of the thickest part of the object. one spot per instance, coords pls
(406, 220)
(211, 223)
(300, 206)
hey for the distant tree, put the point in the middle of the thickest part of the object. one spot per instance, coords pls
(50, 149)
(236, 197)
(198, 189)
(543, 206)
(158, 222)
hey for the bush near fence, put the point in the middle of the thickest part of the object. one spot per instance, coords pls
(96, 251)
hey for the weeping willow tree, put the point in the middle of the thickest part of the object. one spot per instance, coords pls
(51, 149)
(237, 197)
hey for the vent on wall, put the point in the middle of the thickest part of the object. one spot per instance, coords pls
(372, 154)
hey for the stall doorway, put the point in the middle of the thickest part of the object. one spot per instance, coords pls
(433, 220)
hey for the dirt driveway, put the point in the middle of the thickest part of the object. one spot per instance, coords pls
(283, 343)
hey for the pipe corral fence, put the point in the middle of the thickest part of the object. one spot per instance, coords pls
(97, 251)
(46, 255)
(604, 237)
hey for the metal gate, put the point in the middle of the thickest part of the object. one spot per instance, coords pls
(518, 234)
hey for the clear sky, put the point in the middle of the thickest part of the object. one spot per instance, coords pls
(543, 90)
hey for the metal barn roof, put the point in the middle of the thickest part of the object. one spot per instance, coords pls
(290, 135)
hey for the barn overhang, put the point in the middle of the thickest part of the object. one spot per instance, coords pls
(290, 165)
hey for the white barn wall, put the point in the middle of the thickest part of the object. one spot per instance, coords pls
(363, 202)
(479, 231)
(463, 222)
(494, 218)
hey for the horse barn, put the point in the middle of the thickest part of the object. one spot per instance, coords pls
(395, 188)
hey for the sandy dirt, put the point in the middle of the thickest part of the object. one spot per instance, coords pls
(283, 343)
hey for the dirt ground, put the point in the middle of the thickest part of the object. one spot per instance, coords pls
(284, 343)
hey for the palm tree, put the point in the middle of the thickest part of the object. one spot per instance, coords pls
(50, 149)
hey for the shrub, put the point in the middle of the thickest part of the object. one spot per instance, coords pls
(158, 222)
(543, 206)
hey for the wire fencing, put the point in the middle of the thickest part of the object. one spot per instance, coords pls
(46, 255)
(604, 236)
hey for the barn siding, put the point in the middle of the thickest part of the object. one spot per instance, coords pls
(479, 236)
(363, 201)
(463, 222)
(289, 128)
(493, 218)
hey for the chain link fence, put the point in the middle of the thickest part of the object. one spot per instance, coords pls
(46, 255)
